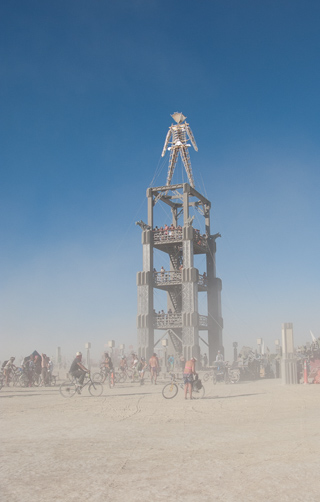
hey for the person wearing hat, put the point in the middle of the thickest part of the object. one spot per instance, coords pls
(77, 370)
(188, 376)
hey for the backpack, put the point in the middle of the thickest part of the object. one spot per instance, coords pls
(4, 363)
(197, 384)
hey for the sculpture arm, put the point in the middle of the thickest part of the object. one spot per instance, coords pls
(191, 137)
(166, 142)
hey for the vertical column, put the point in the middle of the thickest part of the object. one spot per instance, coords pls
(215, 321)
(190, 277)
(288, 362)
(145, 289)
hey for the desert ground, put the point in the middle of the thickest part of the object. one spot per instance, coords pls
(253, 441)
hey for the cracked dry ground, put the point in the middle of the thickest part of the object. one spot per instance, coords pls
(246, 442)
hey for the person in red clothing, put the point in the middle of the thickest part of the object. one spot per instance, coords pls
(188, 376)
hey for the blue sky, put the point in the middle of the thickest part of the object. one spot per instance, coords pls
(86, 93)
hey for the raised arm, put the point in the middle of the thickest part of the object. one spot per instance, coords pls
(166, 142)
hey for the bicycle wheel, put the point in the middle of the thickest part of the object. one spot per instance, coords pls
(96, 389)
(234, 376)
(121, 377)
(15, 380)
(98, 377)
(36, 380)
(53, 380)
(67, 389)
(24, 380)
(117, 377)
(206, 377)
(170, 390)
(198, 393)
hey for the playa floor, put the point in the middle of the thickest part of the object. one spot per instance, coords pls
(253, 441)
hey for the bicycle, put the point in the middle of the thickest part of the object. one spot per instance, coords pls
(170, 390)
(51, 380)
(27, 379)
(131, 373)
(105, 373)
(13, 377)
(217, 375)
(69, 388)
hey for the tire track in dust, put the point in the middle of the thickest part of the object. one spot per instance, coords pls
(137, 410)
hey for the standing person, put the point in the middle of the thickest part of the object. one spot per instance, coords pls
(44, 368)
(205, 360)
(28, 368)
(182, 361)
(108, 365)
(154, 368)
(188, 376)
(77, 370)
(171, 362)
(219, 357)
(142, 366)
(134, 366)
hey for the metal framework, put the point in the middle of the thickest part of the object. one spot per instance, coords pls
(183, 282)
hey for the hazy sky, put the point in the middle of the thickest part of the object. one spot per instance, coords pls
(86, 90)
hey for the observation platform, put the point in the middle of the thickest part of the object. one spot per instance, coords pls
(163, 239)
(175, 320)
(165, 280)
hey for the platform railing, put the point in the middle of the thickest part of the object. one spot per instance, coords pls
(167, 320)
(175, 235)
(171, 277)
(167, 277)
(174, 320)
(168, 235)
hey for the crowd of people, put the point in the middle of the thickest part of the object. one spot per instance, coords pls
(35, 369)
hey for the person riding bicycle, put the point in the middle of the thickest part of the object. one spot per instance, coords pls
(77, 370)
(107, 365)
(123, 363)
(9, 368)
(188, 376)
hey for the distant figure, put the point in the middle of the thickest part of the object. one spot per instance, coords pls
(171, 362)
(219, 357)
(182, 361)
(142, 366)
(205, 360)
(154, 368)
(108, 367)
(44, 369)
(188, 376)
